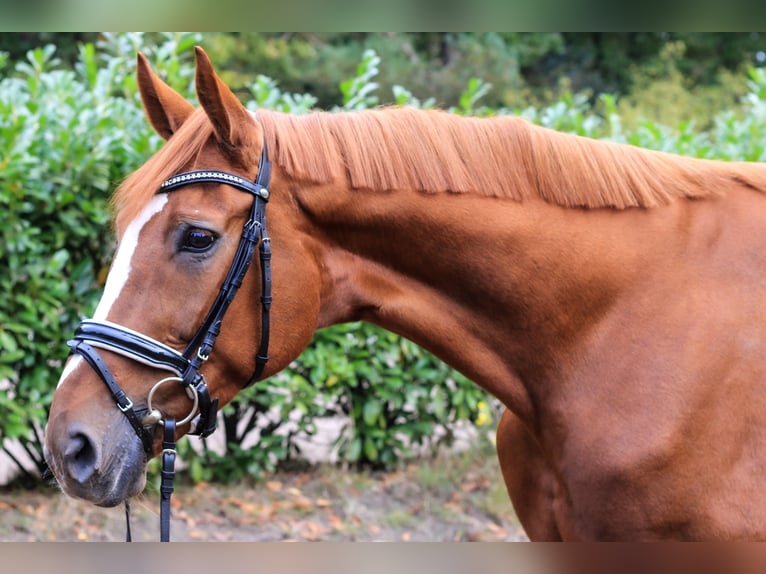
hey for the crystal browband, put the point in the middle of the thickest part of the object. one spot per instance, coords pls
(213, 176)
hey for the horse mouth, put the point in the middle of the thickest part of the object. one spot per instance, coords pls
(106, 484)
(106, 490)
(126, 487)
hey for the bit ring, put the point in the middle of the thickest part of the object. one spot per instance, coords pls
(191, 392)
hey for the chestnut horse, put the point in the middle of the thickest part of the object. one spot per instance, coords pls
(611, 297)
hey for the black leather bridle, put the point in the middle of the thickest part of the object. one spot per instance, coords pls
(92, 335)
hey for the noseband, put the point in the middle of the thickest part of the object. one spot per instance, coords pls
(91, 335)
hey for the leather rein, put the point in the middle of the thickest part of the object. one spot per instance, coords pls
(92, 335)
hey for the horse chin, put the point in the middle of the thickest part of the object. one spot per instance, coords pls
(128, 484)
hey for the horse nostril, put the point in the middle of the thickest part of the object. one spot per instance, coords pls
(80, 457)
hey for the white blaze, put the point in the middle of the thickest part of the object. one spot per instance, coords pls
(118, 274)
(120, 270)
(71, 365)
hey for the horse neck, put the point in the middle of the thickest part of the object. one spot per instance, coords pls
(485, 284)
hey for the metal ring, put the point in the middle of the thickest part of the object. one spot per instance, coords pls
(191, 392)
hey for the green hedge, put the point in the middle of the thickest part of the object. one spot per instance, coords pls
(68, 136)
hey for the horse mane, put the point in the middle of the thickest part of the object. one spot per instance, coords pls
(176, 154)
(435, 151)
(505, 156)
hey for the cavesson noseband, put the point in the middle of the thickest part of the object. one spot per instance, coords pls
(92, 335)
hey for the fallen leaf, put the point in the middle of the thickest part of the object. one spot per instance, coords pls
(497, 530)
(303, 504)
(244, 505)
(190, 522)
(335, 522)
(274, 486)
(482, 483)
(312, 531)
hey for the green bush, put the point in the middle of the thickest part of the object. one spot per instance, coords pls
(67, 137)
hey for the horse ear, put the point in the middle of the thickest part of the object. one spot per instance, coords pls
(231, 121)
(165, 108)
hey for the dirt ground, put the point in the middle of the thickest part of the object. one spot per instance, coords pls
(457, 497)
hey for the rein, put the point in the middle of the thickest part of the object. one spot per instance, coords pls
(92, 335)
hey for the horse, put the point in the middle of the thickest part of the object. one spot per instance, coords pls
(610, 297)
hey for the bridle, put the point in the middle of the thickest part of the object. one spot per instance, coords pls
(92, 335)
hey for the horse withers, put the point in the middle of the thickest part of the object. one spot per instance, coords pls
(609, 296)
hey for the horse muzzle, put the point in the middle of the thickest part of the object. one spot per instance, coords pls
(104, 468)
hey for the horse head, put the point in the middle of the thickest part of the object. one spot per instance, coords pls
(169, 339)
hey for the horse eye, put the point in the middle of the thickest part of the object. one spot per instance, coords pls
(198, 240)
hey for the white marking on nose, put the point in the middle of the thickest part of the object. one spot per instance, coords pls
(71, 365)
(120, 270)
(118, 274)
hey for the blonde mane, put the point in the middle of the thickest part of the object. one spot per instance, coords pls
(434, 151)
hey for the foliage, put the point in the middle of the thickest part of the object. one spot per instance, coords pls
(663, 93)
(68, 136)
(524, 68)
(18, 44)
(358, 91)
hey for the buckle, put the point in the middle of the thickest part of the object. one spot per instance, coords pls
(127, 407)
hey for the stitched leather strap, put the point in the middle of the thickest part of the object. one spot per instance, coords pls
(92, 357)
(131, 344)
(202, 343)
(262, 356)
(167, 474)
(128, 535)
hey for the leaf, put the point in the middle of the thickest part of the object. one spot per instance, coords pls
(370, 450)
(372, 410)
(11, 356)
(7, 343)
(354, 450)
